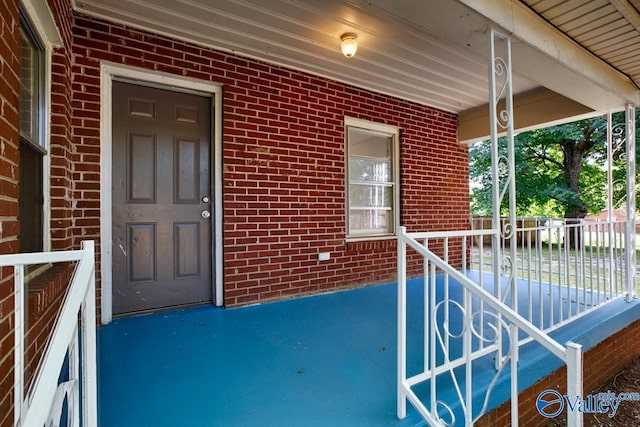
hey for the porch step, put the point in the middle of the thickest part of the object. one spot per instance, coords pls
(535, 361)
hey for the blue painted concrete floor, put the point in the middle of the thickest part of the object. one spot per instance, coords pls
(326, 360)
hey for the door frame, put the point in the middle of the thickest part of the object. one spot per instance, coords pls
(108, 73)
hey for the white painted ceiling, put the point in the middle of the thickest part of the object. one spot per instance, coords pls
(428, 51)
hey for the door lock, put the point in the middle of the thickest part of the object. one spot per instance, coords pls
(205, 199)
(205, 214)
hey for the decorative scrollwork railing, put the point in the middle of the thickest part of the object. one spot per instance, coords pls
(486, 328)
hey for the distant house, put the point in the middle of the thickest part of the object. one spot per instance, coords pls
(618, 214)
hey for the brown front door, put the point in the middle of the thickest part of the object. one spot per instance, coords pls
(161, 198)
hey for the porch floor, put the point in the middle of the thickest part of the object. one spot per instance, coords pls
(327, 360)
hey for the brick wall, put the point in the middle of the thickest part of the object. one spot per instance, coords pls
(284, 185)
(63, 153)
(283, 177)
(45, 295)
(46, 291)
(598, 365)
(9, 175)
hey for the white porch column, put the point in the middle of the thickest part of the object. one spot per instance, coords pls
(610, 143)
(611, 147)
(630, 118)
(503, 184)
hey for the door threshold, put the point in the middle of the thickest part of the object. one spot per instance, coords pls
(163, 309)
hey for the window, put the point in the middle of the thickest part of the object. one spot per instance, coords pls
(32, 140)
(373, 191)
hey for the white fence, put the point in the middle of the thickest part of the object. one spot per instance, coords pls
(486, 326)
(71, 340)
(569, 268)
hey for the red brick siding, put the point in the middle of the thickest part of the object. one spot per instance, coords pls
(63, 154)
(46, 291)
(283, 176)
(284, 188)
(44, 302)
(9, 176)
(598, 366)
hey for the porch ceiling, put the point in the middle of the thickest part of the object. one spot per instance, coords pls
(570, 58)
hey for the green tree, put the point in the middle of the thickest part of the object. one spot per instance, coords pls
(560, 171)
(556, 158)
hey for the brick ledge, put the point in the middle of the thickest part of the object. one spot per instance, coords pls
(46, 287)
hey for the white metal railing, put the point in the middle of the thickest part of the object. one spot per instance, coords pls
(70, 340)
(569, 268)
(487, 327)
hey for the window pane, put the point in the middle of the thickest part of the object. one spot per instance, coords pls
(30, 201)
(370, 196)
(369, 156)
(365, 222)
(369, 170)
(369, 144)
(31, 197)
(29, 88)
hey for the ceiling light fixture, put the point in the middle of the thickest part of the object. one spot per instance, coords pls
(349, 44)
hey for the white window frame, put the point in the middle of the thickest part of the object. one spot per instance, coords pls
(394, 133)
(43, 25)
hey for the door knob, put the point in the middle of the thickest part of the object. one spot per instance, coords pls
(205, 214)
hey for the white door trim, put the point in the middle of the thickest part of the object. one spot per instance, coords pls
(109, 72)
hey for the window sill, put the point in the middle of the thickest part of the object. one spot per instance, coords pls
(357, 239)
